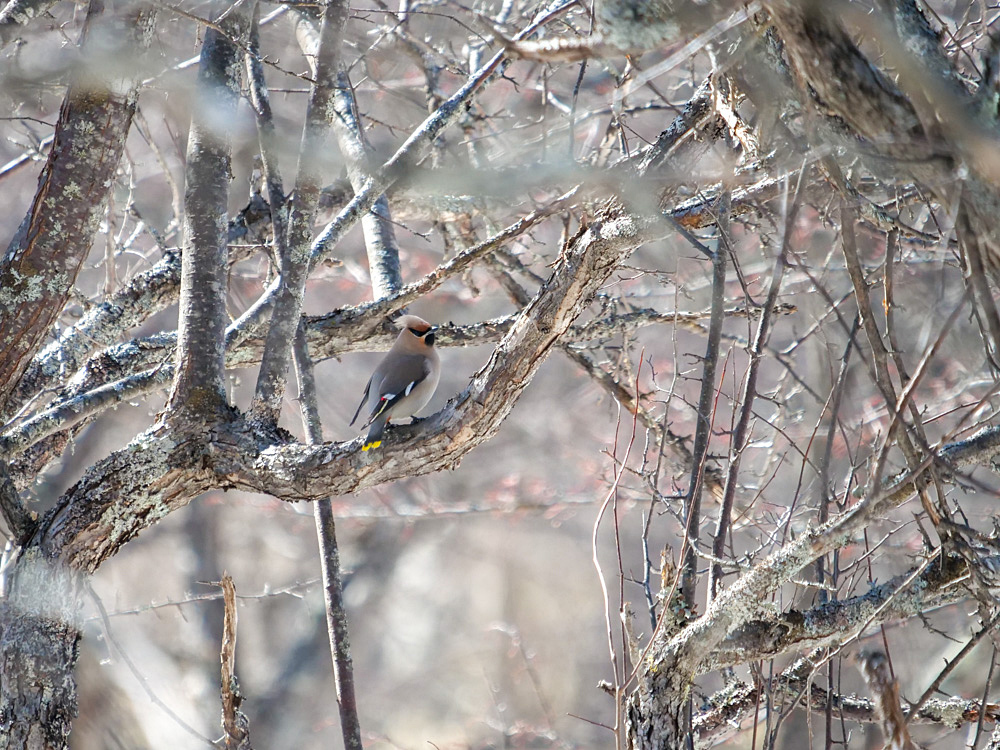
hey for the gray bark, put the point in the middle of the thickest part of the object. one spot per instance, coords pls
(41, 264)
(199, 382)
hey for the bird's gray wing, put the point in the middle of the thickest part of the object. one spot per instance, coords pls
(363, 399)
(410, 370)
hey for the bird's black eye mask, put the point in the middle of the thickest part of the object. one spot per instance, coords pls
(427, 336)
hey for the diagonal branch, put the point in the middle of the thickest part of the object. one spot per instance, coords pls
(823, 626)
(42, 262)
(158, 471)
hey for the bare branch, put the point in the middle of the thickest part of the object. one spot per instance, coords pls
(234, 721)
(41, 264)
(199, 382)
(293, 256)
(333, 585)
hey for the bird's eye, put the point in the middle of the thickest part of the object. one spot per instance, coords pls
(417, 333)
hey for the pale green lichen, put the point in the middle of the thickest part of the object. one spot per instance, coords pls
(949, 712)
(21, 288)
(57, 284)
(145, 458)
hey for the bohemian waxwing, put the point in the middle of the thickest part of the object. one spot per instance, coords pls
(404, 380)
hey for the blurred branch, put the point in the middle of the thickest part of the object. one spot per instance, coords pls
(333, 585)
(19, 13)
(976, 263)
(880, 353)
(835, 77)
(112, 640)
(234, 721)
(884, 689)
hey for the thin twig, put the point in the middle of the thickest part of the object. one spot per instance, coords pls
(333, 586)
(234, 722)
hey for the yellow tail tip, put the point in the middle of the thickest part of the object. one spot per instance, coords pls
(373, 444)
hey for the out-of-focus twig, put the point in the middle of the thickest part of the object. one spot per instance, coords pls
(234, 721)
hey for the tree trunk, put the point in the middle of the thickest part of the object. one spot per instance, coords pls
(39, 641)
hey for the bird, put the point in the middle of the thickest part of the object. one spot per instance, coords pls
(404, 381)
(874, 666)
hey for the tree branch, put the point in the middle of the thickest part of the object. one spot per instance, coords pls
(41, 264)
(161, 473)
(199, 379)
(234, 721)
(293, 252)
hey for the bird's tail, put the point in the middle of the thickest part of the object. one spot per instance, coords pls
(374, 439)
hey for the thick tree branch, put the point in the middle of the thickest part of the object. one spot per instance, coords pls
(825, 625)
(732, 706)
(163, 471)
(833, 70)
(20, 521)
(41, 264)
(64, 363)
(293, 252)
(199, 381)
